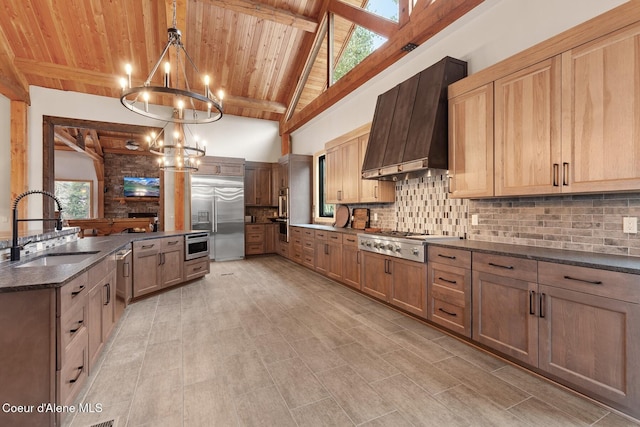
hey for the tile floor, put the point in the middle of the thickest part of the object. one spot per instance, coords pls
(265, 342)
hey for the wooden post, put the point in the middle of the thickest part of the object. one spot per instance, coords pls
(19, 161)
(285, 145)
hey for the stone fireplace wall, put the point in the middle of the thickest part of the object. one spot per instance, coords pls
(116, 167)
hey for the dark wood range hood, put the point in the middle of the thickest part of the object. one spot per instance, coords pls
(409, 130)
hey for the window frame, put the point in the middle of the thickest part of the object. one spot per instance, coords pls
(323, 212)
(86, 181)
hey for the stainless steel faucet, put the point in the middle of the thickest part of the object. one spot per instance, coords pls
(15, 248)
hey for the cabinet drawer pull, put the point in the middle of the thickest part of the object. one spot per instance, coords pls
(591, 282)
(75, 293)
(375, 192)
(173, 242)
(542, 301)
(449, 182)
(333, 237)
(351, 240)
(565, 173)
(108, 287)
(358, 257)
(446, 312)
(74, 330)
(532, 298)
(556, 174)
(446, 256)
(453, 282)
(506, 267)
(197, 268)
(80, 370)
(147, 246)
(127, 269)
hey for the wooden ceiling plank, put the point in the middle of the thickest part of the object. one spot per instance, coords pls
(13, 84)
(379, 25)
(255, 104)
(308, 64)
(269, 13)
(423, 25)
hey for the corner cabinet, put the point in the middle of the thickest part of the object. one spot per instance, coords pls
(257, 184)
(372, 190)
(471, 143)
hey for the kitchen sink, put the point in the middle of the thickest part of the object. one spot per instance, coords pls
(58, 259)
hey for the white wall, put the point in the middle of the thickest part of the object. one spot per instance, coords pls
(72, 165)
(488, 34)
(255, 140)
(5, 164)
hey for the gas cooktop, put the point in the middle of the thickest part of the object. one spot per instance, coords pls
(404, 245)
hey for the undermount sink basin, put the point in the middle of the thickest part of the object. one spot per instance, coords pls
(58, 259)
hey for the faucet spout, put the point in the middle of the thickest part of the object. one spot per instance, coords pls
(15, 248)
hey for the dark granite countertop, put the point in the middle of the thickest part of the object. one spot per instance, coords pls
(619, 263)
(329, 228)
(14, 278)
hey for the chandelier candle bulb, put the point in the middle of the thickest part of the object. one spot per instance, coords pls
(206, 89)
(167, 69)
(145, 96)
(128, 69)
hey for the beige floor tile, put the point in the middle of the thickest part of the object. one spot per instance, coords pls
(156, 398)
(126, 349)
(415, 404)
(291, 328)
(172, 420)
(325, 413)
(378, 323)
(343, 303)
(174, 296)
(383, 311)
(258, 324)
(476, 409)
(537, 412)
(168, 313)
(373, 340)
(296, 383)
(232, 341)
(354, 395)
(564, 400)
(114, 383)
(316, 355)
(165, 331)
(264, 407)
(200, 361)
(274, 348)
(499, 391)
(473, 355)
(419, 328)
(330, 335)
(615, 420)
(392, 419)
(430, 378)
(336, 316)
(426, 349)
(245, 372)
(365, 362)
(209, 403)
(110, 411)
(161, 357)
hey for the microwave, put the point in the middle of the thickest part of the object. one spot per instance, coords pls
(196, 245)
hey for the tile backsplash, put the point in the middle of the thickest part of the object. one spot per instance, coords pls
(591, 223)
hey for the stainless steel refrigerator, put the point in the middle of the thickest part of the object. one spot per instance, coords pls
(217, 206)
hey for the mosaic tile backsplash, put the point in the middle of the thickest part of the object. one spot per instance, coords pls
(590, 223)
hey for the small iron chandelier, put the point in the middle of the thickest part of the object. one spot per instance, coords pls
(205, 107)
(178, 152)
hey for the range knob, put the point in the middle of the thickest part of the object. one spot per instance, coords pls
(376, 245)
(398, 248)
(415, 251)
(368, 243)
(390, 246)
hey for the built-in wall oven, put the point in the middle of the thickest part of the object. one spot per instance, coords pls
(283, 229)
(196, 245)
(283, 203)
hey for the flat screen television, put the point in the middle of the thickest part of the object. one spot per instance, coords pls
(135, 186)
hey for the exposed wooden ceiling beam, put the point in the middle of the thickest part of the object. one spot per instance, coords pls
(270, 13)
(255, 104)
(308, 63)
(64, 137)
(13, 84)
(379, 25)
(423, 24)
(96, 142)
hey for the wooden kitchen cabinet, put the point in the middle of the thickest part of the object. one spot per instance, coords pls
(471, 143)
(343, 172)
(504, 305)
(101, 315)
(334, 252)
(157, 263)
(350, 261)
(271, 232)
(588, 331)
(449, 289)
(308, 248)
(528, 156)
(321, 252)
(221, 166)
(373, 190)
(257, 184)
(399, 282)
(195, 268)
(254, 237)
(601, 111)
(295, 252)
(275, 183)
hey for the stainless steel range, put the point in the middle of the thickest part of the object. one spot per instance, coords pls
(409, 246)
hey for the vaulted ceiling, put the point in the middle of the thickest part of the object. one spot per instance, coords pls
(270, 57)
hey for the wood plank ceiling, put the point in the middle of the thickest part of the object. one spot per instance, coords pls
(259, 53)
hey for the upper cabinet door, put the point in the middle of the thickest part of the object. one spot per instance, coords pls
(527, 130)
(601, 114)
(471, 143)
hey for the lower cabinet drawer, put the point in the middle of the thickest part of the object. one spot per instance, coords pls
(449, 315)
(254, 249)
(72, 325)
(309, 259)
(73, 374)
(196, 268)
(283, 250)
(254, 237)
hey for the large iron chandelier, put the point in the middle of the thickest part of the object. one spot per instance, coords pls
(180, 151)
(191, 107)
